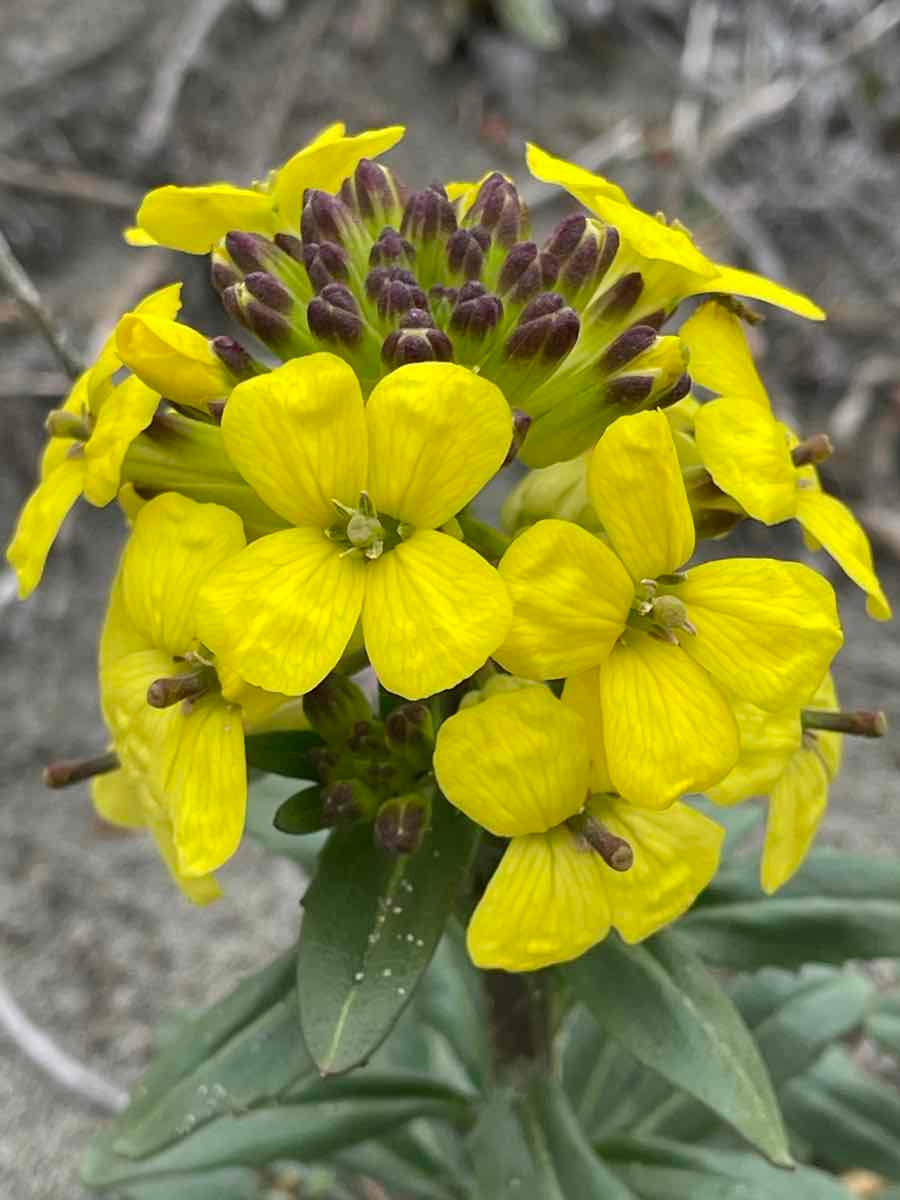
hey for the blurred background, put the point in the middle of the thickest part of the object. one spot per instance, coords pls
(770, 127)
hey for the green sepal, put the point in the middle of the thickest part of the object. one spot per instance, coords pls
(300, 813)
(284, 752)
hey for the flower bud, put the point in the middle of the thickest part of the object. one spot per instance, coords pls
(292, 246)
(373, 195)
(335, 707)
(618, 300)
(476, 311)
(326, 219)
(402, 823)
(412, 343)
(172, 359)
(428, 216)
(585, 250)
(235, 357)
(334, 316)
(348, 801)
(655, 374)
(498, 208)
(325, 262)
(628, 345)
(392, 249)
(269, 291)
(466, 249)
(547, 329)
(250, 251)
(409, 732)
(559, 491)
(395, 291)
(222, 271)
(526, 271)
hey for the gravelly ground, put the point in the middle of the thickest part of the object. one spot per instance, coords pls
(93, 942)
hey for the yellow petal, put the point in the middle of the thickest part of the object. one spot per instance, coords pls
(138, 729)
(40, 519)
(828, 746)
(720, 357)
(201, 890)
(767, 630)
(165, 302)
(768, 740)
(676, 854)
(645, 234)
(666, 726)
(193, 219)
(796, 806)
(756, 287)
(570, 596)
(201, 773)
(127, 410)
(175, 545)
(745, 451)
(635, 484)
(135, 236)
(546, 903)
(582, 693)
(324, 165)
(466, 191)
(437, 434)
(281, 612)
(515, 764)
(117, 799)
(173, 359)
(434, 612)
(298, 436)
(834, 526)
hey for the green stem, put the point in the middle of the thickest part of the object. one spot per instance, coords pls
(489, 542)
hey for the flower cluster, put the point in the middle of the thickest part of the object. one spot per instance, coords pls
(302, 507)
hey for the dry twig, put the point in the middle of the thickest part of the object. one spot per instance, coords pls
(19, 283)
(72, 183)
(54, 1061)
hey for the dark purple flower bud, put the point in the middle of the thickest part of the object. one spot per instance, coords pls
(234, 356)
(373, 193)
(630, 390)
(249, 251)
(402, 823)
(566, 236)
(677, 392)
(325, 263)
(324, 218)
(292, 246)
(629, 345)
(411, 345)
(269, 291)
(621, 297)
(547, 328)
(521, 423)
(347, 801)
(526, 272)
(392, 249)
(428, 215)
(222, 274)
(498, 208)
(477, 311)
(267, 324)
(417, 318)
(584, 250)
(334, 315)
(394, 291)
(466, 249)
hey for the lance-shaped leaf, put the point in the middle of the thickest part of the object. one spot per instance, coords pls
(371, 925)
(657, 1168)
(883, 1023)
(498, 1150)
(284, 752)
(661, 1004)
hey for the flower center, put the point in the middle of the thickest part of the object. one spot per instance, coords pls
(660, 613)
(362, 531)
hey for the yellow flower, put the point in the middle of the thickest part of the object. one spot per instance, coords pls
(194, 219)
(367, 489)
(748, 452)
(664, 648)
(182, 774)
(175, 360)
(793, 764)
(91, 434)
(518, 764)
(652, 238)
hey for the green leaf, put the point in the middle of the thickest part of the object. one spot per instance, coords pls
(883, 1023)
(284, 752)
(661, 1004)
(451, 1001)
(370, 928)
(567, 1165)
(300, 813)
(499, 1153)
(266, 796)
(658, 1169)
(230, 1184)
(399, 1163)
(738, 821)
(850, 1119)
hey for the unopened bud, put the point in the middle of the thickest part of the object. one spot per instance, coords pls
(526, 272)
(680, 388)
(859, 723)
(250, 251)
(812, 450)
(325, 262)
(392, 249)
(373, 194)
(428, 215)
(629, 390)
(628, 345)
(234, 356)
(521, 423)
(334, 315)
(325, 218)
(614, 850)
(547, 329)
(292, 246)
(498, 208)
(403, 346)
(68, 771)
(402, 823)
(348, 801)
(395, 291)
(269, 291)
(620, 298)
(476, 312)
(409, 731)
(335, 707)
(466, 249)
(584, 250)
(222, 273)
